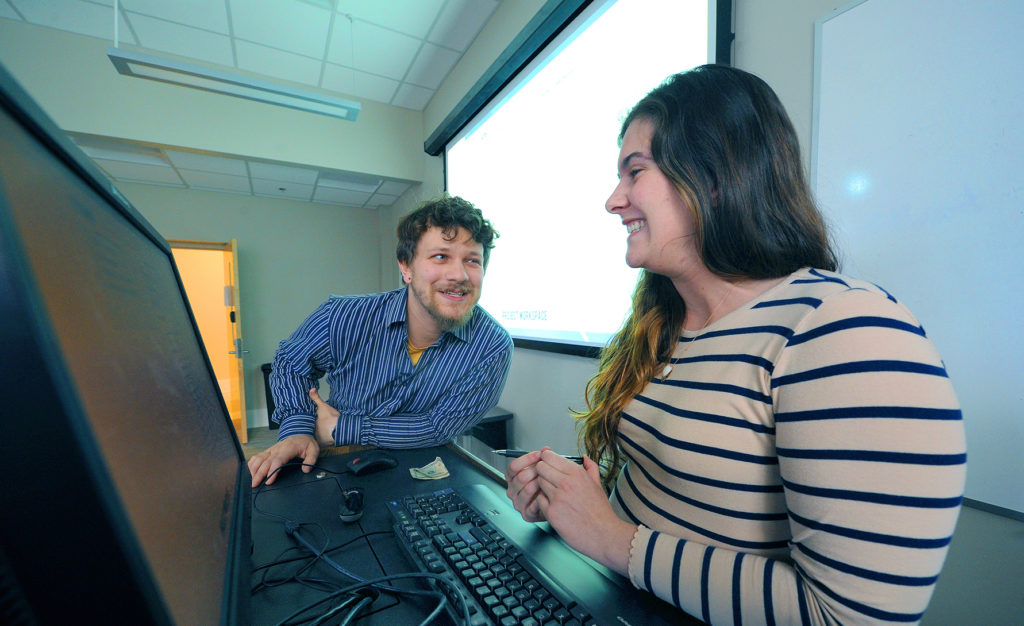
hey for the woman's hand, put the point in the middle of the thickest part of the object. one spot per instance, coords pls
(574, 502)
(521, 476)
(546, 486)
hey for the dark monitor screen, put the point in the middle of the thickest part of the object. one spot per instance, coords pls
(126, 493)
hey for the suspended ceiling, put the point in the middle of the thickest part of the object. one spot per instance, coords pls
(396, 52)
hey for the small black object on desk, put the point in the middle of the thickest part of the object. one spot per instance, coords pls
(494, 428)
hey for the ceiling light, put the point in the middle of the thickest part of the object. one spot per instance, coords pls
(131, 63)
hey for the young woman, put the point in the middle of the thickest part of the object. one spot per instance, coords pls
(782, 442)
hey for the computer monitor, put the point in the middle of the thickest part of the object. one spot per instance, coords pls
(125, 493)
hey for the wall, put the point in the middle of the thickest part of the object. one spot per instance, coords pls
(291, 256)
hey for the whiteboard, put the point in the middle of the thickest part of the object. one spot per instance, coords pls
(917, 160)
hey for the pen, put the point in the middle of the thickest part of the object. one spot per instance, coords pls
(515, 454)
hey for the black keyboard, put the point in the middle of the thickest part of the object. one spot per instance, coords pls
(510, 571)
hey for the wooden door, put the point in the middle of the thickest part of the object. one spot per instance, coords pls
(209, 271)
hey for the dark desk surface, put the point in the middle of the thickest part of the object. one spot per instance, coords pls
(314, 500)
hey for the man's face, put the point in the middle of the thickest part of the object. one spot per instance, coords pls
(445, 278)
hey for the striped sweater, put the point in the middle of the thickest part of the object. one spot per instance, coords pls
(803, 462)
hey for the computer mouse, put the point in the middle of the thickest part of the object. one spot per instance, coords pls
(369, 461)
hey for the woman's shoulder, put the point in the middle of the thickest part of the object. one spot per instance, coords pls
(838, 299)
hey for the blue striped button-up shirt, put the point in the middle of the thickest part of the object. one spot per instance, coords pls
(359, 342)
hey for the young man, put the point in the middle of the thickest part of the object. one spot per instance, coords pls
(407, 368)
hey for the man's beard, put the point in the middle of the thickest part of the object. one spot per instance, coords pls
(444, 322)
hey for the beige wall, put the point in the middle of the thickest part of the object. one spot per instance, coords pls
(291, 256)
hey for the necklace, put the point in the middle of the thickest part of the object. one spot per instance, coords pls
(668, 368)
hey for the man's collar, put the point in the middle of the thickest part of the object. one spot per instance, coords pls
(394, 306)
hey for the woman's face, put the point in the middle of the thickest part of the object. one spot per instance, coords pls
(661, 232)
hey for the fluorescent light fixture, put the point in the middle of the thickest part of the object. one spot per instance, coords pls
(131, 63)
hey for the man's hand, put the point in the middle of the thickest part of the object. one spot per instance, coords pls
(267, 463)
(326, 419)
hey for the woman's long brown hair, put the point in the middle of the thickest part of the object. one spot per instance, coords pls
(723, 138)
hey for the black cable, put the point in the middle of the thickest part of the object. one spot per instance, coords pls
(374, 581)
(356, 610)
(292, 528)
(281, 561)
(263, 485)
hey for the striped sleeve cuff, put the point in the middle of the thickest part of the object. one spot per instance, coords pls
(297, 425)
(350, 430)
(637, 554)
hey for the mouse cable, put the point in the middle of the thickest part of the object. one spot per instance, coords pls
(270, 578)
(294, 532)
(281, 560)
(375, 581)
(356, 610)
(263, 485)
(292, 528)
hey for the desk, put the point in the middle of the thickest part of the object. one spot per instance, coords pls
(314, 500)
(494, 428)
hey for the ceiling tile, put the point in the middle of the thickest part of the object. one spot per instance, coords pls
(76, 16)
(412, 97)
(341, 41)
(381, 200)
(393, 187)
(211, 15)
(460, 22)
(352, 182)
(277, 63)
(383, 52)
(339, 79)
(340, 196)
(432, 64)
(139, 172)
(207, 163)
(212, 181)
(364, 85)
(183, 40)
(282, 189)
(298, 27)
(412, 17)
(288, 173)
(113, 150)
